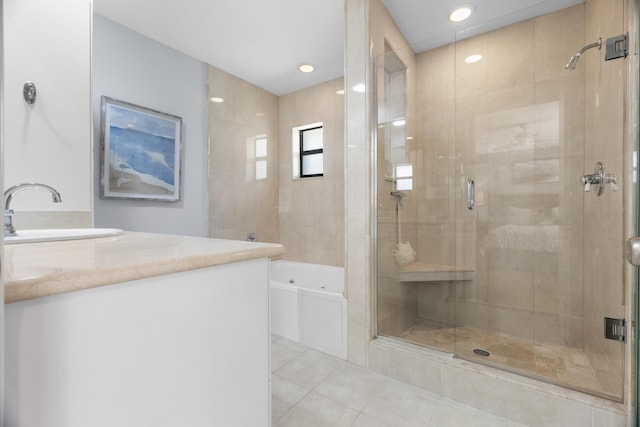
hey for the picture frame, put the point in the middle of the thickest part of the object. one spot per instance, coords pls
(141, 152)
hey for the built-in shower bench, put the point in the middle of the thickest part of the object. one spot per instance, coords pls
(419, 271)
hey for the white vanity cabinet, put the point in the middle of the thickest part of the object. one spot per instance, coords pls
(183, 349)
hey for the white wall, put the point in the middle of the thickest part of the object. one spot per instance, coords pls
(50, 141)
(2, 321)
(136, 69)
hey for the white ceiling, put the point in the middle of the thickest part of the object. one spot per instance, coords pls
(264, 42)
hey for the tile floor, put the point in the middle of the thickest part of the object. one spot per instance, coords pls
(565, 366)
(313, 389)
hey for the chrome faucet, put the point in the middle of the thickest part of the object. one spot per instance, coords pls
(9, 229)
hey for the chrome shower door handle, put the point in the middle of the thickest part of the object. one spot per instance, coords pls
(632, 251)
(471, 194)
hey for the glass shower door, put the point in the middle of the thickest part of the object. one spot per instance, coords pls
(546, 250)
(416, 226)
(512, 263)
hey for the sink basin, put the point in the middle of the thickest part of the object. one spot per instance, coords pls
(33, 236)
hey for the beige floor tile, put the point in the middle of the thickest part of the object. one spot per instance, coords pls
(284, 396)
(449, 413)
(283, 351)
(365, 420)
(398, 404)
(309, 369)
(351, 385)
(315, 410)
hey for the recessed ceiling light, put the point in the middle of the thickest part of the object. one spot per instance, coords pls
(217, 99)
(306, 68)
(360, 88)
(472, 59)
(399, 122)
(461, 13)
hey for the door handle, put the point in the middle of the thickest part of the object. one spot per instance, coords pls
(632, 251)
(471, 194)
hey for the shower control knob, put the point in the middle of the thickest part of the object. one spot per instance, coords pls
(598, 179)
(612, 180)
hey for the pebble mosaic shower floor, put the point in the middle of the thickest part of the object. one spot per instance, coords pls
(565, 366)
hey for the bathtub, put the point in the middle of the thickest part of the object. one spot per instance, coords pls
(308, 305)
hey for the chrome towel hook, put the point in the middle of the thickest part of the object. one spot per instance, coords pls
(29, 92)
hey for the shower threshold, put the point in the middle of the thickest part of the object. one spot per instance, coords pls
(564, 366)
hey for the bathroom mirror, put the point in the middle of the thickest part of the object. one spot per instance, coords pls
(49, 140)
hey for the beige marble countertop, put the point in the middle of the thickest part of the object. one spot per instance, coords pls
(33, 270)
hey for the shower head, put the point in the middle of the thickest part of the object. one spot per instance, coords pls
(571, 65)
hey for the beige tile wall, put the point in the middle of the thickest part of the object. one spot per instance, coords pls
(238, 203)
(306, 216)
(553, 125)
(358, 164)
(524, 75)
(504, 122)
(311, 210)
(368, 28)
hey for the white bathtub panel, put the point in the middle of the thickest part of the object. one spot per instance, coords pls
(322, 322)
(284, 311)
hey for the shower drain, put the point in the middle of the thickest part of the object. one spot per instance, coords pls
(481, 352)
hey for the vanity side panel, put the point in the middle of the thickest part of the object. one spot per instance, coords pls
(189, 348)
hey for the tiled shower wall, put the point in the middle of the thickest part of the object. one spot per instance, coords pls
(525, 129)
(515, 125)
(312, 209)
(306, 216)
(548, 294)
(239, 203)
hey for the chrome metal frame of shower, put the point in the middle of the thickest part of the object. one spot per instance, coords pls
(374, 193)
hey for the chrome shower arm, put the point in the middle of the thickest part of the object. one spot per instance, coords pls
(597, 44)
(574, 59)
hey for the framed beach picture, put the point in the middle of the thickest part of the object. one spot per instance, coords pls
(140, 152)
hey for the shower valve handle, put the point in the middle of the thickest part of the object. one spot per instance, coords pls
(598, 180)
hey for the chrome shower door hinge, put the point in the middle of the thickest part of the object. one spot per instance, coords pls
(615, 329)
(617, 47)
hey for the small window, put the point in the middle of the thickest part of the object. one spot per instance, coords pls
(404, 177)
(261, 158)
(257, 158)
(308, 151)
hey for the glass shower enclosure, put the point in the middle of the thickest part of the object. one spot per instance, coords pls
(500, 197)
